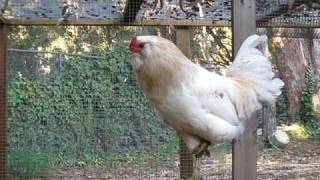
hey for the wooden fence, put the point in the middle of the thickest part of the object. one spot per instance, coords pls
(244, 151)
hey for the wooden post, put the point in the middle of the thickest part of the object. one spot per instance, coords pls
(3, 98)
(183, 41)
(244, 150)
(269, 121)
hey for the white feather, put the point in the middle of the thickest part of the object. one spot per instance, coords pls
(253, 69)
(204, 106)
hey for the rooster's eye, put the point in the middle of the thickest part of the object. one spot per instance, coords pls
(141, 45)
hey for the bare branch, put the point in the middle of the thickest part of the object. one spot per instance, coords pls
(219, 41)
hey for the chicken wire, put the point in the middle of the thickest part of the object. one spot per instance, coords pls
(291, 49)
(74, 116)
(147, 161)
(288, 13)
(277, 13)
(96, 123)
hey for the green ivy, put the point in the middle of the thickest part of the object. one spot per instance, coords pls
(307, 114)
(89, 108)
(282, 110)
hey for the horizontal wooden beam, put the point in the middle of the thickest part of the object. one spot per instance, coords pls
(149, 22)
(288, 24)
(109, 22)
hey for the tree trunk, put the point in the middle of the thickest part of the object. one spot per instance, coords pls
(292, 57)
(315, 52)
(316, 57)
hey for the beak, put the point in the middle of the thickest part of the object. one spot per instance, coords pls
(130, 49)
(132, 52)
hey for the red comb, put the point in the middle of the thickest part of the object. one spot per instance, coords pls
(133, 44)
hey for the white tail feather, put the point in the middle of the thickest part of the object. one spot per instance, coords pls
(253, 77)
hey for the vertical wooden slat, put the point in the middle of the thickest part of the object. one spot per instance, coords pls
(243, 21)
(183, 41)
(3, 97)
(269, 121)
(244, 150)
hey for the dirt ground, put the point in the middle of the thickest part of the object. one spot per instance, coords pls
(299, 161)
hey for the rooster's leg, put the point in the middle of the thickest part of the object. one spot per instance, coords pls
(197, 153)
(196, 168)
(202, 149)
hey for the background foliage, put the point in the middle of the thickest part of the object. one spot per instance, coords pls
(72, 110)
(307, 114)
(82, 111)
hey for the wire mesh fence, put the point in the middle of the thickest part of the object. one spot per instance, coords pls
(73, 115)
(77, 115)
(272, 13)
(76, 111)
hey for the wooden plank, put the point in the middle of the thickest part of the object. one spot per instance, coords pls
(183, 41)
(3, 98)
(244, 150)
(288, 24)
(150, 22)
(243, 21)
(113, 22)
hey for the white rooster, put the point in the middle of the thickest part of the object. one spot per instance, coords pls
(202, 106)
